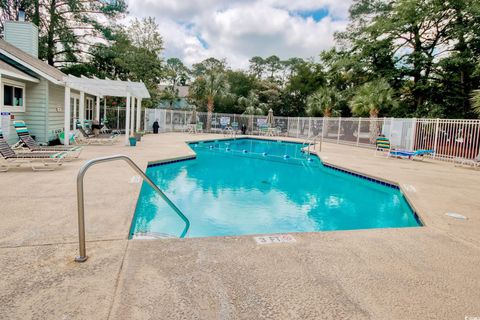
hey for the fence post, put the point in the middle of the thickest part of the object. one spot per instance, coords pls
(391, 127)
(309, 126)
(358, 130)
(298, 127)
(338, 133)
(414, 134)
(323, 127)
(171, 120)
(436, 138)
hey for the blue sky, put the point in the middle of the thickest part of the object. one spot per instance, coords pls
(239, 29)
(316, 15)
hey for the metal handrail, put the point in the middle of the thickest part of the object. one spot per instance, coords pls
(313, 140)
(80, 199)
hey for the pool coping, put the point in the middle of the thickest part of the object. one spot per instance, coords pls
(379, 180)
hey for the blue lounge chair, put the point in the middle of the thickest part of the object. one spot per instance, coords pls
(417, 154)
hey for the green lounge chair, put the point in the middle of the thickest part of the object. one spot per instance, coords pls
(9, 158)
(263, 129)
(199, 127)
(382, 144)
(33, 146)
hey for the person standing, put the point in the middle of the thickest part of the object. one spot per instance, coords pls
(155, 126)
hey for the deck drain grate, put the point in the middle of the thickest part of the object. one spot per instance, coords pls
(457, 216)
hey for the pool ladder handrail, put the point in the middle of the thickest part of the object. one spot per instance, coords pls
(309, 141)
(81, 205)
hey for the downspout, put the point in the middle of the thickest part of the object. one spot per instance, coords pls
(47, 105)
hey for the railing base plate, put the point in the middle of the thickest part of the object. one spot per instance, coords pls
(81, 259)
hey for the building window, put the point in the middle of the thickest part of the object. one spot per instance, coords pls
(89, 109)
(13, 97)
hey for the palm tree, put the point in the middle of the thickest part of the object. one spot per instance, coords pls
(208, 87)
(324, 102)
(476, 101)
(251, 106)
(370, 99)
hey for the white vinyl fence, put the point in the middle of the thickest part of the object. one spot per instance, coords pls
(450, 138)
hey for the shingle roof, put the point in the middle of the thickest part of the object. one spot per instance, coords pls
(31, 62)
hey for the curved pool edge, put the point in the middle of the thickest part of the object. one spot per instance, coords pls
(376, 179)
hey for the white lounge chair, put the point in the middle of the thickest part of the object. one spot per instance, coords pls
(475, 163)
(38, 161)
(85, 138)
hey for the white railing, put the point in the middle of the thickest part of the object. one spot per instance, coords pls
(449, 138)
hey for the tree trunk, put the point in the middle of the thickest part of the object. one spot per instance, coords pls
(417, 68)
(36, 14)
(374, 125)
(51, 33)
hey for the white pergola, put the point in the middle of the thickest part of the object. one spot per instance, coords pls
(101, 88)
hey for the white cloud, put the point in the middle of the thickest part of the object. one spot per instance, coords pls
(237, 30)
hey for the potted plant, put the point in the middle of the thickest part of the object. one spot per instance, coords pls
(138, 136)
(133, 141)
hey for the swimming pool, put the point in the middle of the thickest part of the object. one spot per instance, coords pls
(253, 186)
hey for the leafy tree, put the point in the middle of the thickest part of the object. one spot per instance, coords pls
(421, 48)
(273, 65)
(144, 34)
(176, 72)
(270, 93)
(240, 84)
(251, 104)
(67, 28)
(121, 59)
(209, 85)
(209, 65)
(169, 94)
(257, 66)
(306, 78)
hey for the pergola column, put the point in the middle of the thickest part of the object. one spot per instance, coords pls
(139, 113)
(104, 109)
(81, 110)
(97, 109)
(74, 113)
(127, 119)
(66, 129)
(132, 116)
(1, 94)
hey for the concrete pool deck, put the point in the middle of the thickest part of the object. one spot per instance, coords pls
(411, 273)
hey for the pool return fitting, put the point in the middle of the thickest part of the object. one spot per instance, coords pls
(81, 205)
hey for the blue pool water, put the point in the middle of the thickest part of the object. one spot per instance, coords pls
(251, 186)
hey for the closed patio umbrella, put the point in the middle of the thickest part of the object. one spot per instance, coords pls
(270, 120)
(193, 116)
